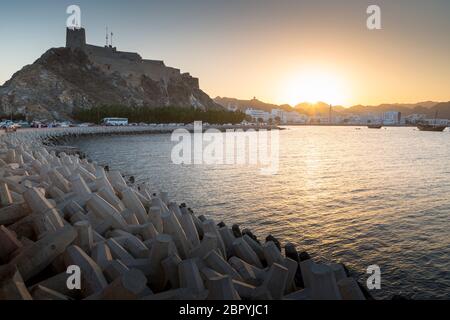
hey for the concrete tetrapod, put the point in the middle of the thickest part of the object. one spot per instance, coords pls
(36, 257)
(92, 279)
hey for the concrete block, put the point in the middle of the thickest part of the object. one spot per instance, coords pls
(209, 243)
(272, 254)
(209, 226)
(132, 202)
(37, 201)
(304, 294)
(245, 290)
(13, 213)
(172, 227)
(12, 286)
(255, 247)
(221, 288)
(106, 211)
(170, 267)
(5, 195)
(117, 251)
(246, 253)
(35, 258)
(85, 237)
(338, 270)
(323, 283)
(217, 263)
(101, 255)
(350, 290)
(126, 287)
(146, 231)
(160, 250)
(190, 276)
(189, 228)
(115, 269)
(276, 281)
(228, 238)
(154, 216)
(59, 181)
(42, 293)
(92, 279)
(250, 274)
(9, 244)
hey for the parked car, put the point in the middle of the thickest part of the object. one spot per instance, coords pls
(24, 124)
(6, 124)
(38, 124)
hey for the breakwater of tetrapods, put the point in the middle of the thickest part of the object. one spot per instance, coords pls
(63, 217)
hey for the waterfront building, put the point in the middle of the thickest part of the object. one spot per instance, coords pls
(392, 117)
(256, 114)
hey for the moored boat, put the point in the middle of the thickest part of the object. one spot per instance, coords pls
(434, 127)
(431, 127)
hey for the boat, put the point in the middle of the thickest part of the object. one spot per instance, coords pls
(375, 126)
(432, 127)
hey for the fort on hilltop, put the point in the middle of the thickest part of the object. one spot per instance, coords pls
(129, 65)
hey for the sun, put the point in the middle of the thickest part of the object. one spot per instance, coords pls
(313, 86)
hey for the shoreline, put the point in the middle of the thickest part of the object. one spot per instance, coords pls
(63, 206)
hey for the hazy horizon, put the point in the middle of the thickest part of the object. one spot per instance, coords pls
(283, 52)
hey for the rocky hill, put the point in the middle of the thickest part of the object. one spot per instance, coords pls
(64, 79)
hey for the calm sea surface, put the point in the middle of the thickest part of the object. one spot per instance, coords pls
(360, 197)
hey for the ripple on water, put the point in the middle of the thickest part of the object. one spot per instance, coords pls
(359, 197)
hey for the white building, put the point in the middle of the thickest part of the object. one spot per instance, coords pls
(392, 117)
(415, 118)
(287, 117)
(295, 117)
(256, 114)
(232, 107)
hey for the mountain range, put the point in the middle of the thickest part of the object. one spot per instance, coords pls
(321, 108)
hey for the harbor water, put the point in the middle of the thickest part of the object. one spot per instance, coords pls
(362, 197)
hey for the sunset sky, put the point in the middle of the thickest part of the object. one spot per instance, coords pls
(284, 51)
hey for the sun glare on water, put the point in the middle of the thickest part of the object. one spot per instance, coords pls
(315, 86)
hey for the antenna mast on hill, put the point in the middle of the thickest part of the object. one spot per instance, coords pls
(107, 35)
(112, 34)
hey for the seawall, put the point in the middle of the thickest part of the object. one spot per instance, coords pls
(58, 210)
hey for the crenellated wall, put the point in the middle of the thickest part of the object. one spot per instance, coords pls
(129, 64)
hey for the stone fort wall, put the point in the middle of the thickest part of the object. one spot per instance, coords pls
(129, 64)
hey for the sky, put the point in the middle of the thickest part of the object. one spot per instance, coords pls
(279, 51)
